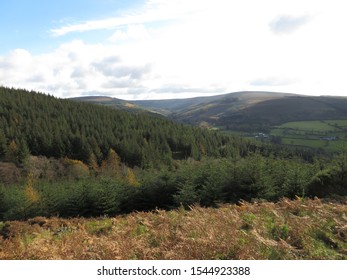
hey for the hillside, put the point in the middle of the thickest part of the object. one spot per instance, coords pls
(260, 115)
(212, 110)
(248, 110)
(186, 107)
(300, 229)
(115, 103)
(70, 158)
(41, 125)
(287, 109)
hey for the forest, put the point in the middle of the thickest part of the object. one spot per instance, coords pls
(39, 124)
(72, 159)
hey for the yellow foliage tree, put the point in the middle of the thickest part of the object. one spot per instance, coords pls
(30, 192)
(76, 168)
(112, 165)
(93, 164)
(131, 178)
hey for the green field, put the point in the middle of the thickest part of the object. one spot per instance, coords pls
(314, 126)
(329, 135)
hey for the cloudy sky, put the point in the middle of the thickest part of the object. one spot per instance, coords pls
(154, 49)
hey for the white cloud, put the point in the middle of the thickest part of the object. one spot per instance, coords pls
(286, 24)
(152, 11)
(211, 47)
(133, 32)
(274, 81)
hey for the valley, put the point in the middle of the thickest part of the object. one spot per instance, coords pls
(329, 135)
(158, 177)
(209, 131)
(249, 113)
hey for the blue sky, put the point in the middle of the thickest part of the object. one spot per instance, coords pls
(27, 24)
(151, 49)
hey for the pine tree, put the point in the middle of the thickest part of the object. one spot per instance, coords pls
(12, 152)
(2, 144)
(23, 151)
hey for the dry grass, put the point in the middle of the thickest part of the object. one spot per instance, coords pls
(309, 229)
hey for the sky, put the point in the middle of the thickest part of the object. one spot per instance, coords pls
(159, 49)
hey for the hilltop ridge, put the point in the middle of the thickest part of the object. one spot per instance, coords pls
(235, 110)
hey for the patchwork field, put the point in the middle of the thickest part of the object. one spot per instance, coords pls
(329, 135)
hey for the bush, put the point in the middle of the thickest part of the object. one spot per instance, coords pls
(328, 182)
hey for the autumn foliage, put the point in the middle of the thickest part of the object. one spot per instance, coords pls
(298, 229)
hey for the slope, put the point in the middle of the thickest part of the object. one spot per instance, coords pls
(310, 229)
(39, 124)
(250, 110)
(286, 109)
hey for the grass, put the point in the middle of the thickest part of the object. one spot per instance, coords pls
(307, 134)
(340, 123)
(299, 229)
(99, 227)
(317, 126)
(312, 134)
(327, 145)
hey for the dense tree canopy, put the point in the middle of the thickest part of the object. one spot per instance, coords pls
(40, 124)
(67, 158)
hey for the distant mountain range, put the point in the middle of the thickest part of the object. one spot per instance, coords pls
(247, 111)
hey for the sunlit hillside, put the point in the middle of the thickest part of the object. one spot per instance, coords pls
(299, 229)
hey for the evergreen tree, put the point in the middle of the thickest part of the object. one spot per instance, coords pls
(2, 144)
(12, 152)
(53, 127)
(23, 151)
(187, 195)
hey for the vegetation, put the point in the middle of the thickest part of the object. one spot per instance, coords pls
(149, 163)
(292, 120)
(37, 124)
(297, 229)
(114, 189)
(329, 135)
(79, 162)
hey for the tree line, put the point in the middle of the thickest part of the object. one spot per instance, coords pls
(38, 124)
(77, 159)
(117, 189)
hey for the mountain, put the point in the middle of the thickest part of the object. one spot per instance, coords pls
(287, 109)
(247, 110)
(231, 99)
(185, 108)
(256, 108)
(209, 110)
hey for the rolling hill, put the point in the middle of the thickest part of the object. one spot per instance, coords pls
(247, 111)
(190, 110)
(256, 114)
